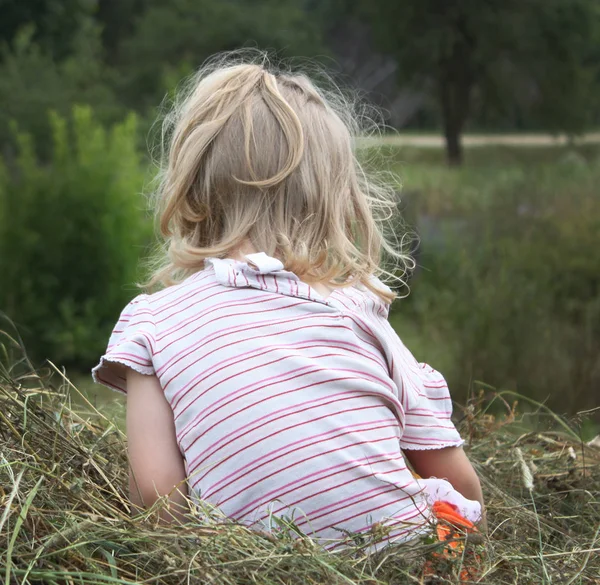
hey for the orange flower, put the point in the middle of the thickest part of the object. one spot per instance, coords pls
(450, 528)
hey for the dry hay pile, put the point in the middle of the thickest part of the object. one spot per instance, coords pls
(64, 515)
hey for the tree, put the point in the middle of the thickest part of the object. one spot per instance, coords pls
(54, 22)
(494, 52)
(172, 39)
(32, 83)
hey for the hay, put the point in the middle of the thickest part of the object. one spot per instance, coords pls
(65, 518)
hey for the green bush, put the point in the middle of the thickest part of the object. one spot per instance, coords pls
(71, 233)
(509, 287)
(32, 82)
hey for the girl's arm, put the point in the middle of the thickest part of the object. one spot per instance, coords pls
(451, 464)
(156, 465)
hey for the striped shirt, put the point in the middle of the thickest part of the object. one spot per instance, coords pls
(287, 404)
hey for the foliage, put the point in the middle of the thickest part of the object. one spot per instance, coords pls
(192, 30)
(533, 55)
(508, 291)
(55, 22)
(32, 83)
(63, 478)
(71, 234)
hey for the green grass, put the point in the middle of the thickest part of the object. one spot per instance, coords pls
(66, 516)
(507, 287)
(503, 298)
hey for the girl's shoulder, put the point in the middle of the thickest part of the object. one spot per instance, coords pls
(366, 299)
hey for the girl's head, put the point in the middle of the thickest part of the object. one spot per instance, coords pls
(261, 158)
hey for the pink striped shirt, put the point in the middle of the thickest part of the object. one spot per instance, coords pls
(287, 404)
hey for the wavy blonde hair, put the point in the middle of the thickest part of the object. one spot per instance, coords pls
(259, 154)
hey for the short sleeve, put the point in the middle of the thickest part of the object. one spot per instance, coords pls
(422, 392)
(130, 345)
(428, 415)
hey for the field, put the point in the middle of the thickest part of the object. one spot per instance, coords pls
(505, 301)
(507, 288)
(66, 517)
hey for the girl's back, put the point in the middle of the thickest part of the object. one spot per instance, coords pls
(276, 401)
(284, 402)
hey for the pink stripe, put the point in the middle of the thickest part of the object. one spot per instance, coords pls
(270, 381)
(126, 318)
(327, 434)
(194, 293)
(262, 421)
(261, 427)
(438, 397)
(439, 383)
(212, 491)
(236, 329)
(273, 380)
(332, 488)
(192, 281)
(348, 503)
(244, 357)
(219, 366)
(427, 440)
(213, 310)
(399, 383)
(265, 364)
(310, 478)
(224, 332)
(344, 304)
(442, 414)
(246, 340)
(128, 356)
(428, 426)
(238, 393)
(194, 423)
(136, 323)
(141, 334)
(275, 433)
(364, 512)
(207, 311)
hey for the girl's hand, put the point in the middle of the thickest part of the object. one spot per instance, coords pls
(156, 464)
(453, 465)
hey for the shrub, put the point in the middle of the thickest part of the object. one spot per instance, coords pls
(32, 82)
(509, 289)
(71, 234)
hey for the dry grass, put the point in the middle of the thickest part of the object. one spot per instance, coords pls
(64, 515)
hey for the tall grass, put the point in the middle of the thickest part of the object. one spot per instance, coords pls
(65, 515)
(507, 288)
(508, 284)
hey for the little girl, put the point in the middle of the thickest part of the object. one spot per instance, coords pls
(265, 379)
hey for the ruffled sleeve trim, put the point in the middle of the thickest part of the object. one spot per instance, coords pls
(428, 416)
(130, 346)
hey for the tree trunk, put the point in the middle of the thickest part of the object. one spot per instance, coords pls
(455, 94)
(454, 148)
(457, 75)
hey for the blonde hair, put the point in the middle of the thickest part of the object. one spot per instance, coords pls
(261, 155)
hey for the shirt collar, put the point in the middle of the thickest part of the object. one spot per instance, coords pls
(262, 272)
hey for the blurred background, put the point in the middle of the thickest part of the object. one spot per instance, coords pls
(496, 108)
